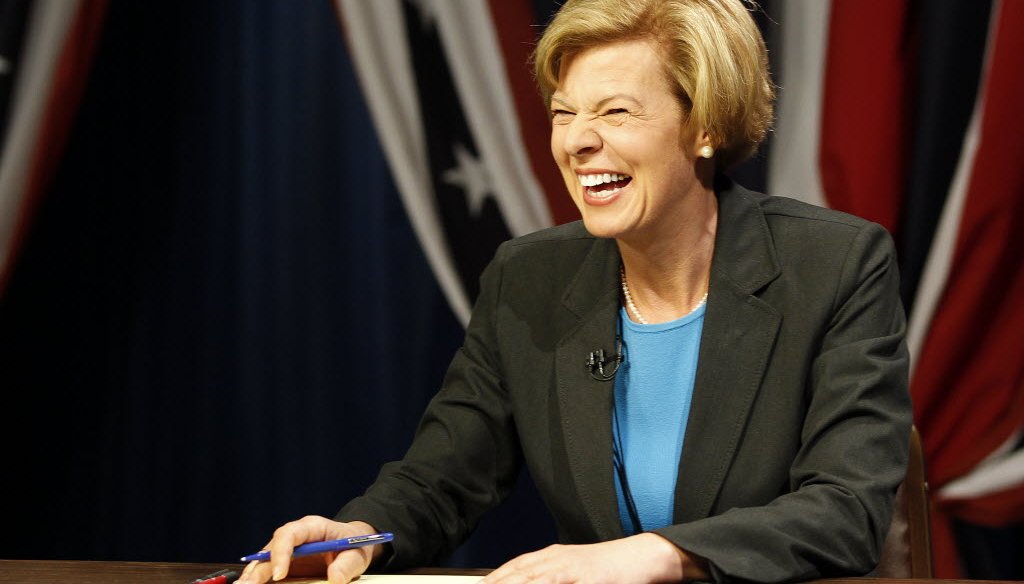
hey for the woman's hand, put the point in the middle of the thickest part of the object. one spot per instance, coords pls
(339, 567)
(641, 558)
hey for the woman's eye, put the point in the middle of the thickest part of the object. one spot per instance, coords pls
(615, 115)
(560, 116)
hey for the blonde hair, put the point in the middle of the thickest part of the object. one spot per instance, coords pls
(712, 50)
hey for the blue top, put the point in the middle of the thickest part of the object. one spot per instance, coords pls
(653, 389)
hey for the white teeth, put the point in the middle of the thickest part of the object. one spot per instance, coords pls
(604, 194)
(592, 180)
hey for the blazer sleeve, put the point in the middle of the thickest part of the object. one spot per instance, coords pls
(465, 456)
(853, 450)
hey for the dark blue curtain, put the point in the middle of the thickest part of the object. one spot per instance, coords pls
(221, 320)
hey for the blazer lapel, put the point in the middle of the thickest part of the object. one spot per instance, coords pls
(738, 336)
(585, 403)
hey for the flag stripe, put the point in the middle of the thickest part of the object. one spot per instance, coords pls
(517, 38)
(793, 170)
(953, 38)
(940, 254)
(384, 67)
(1000, 470)
(58, 50)
(48, 26)
(998, 509)
(865, 109)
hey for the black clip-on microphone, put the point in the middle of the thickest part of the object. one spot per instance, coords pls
(597, 360)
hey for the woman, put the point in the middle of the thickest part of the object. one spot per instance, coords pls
(704, 382)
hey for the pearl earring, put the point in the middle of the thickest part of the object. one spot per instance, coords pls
(707, 152)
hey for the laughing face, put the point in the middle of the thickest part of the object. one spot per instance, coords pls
(620, 140)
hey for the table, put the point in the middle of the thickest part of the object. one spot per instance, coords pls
(93, 572)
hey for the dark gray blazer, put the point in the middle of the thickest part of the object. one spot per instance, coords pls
(797, 437)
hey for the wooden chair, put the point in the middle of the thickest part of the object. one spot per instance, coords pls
(908, 551)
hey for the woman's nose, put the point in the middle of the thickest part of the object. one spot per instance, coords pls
(581, 138)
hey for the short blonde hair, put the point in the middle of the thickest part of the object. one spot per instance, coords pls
(712, 50)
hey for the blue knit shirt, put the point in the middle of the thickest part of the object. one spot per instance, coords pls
(653, 389)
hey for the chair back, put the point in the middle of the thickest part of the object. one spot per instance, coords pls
(908, 551)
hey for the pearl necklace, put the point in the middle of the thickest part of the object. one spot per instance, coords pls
(636, 311)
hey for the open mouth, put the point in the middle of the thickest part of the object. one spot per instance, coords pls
(603, 185)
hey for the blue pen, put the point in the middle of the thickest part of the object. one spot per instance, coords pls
(319, 547)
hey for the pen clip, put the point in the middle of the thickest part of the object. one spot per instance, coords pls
(366, 538)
